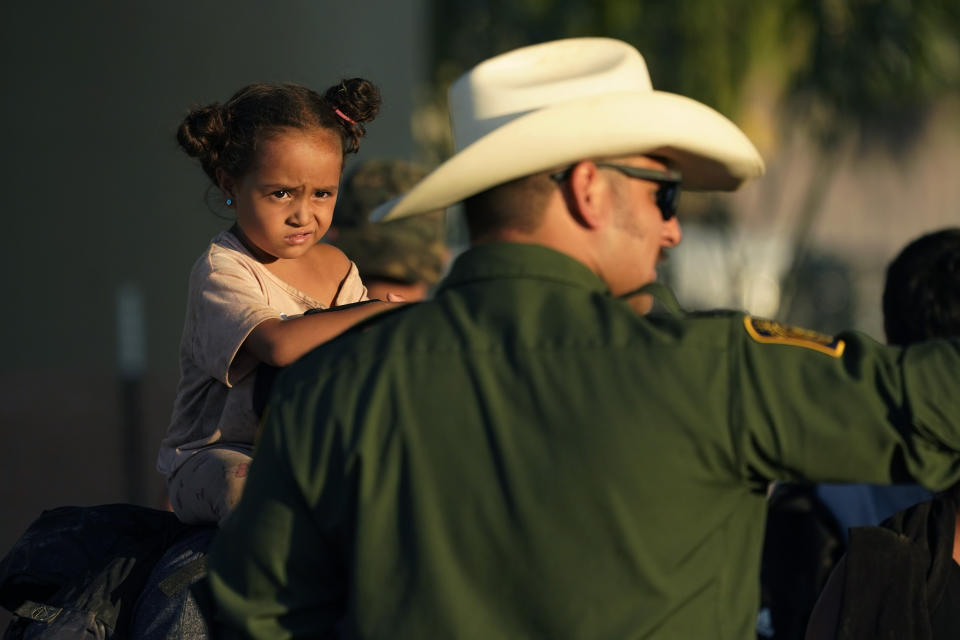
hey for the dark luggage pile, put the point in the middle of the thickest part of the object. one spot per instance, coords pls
(105, 572)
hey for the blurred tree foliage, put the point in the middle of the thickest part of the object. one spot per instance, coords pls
(843, 63)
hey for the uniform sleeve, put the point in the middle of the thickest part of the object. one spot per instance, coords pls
(226, 303)
(814, 408)
(277, 568)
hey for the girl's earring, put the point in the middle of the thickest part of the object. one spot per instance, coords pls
(229, 202)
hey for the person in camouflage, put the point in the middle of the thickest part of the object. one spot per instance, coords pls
(403, 257)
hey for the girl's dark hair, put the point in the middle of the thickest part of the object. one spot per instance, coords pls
(921, 296)
(225, 136)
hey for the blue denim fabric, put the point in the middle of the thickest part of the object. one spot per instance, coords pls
(167, 609)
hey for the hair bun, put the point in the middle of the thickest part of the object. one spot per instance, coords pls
(203, 134)
(357, 98)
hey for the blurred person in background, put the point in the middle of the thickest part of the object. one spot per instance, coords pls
(902, 579)
(808, 525)
(402, 257)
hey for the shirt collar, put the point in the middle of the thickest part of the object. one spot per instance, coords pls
(518, 260)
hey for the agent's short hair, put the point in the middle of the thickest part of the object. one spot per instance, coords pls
(517, 205)
(921, 296)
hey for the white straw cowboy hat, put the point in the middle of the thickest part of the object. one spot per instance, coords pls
(548, 105)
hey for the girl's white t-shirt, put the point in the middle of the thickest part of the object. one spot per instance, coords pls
(230, 293)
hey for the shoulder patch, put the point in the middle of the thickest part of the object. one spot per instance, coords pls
(772, 332)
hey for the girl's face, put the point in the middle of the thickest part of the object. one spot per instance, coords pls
(284, 204)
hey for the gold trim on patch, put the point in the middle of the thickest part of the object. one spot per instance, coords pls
(772, 332)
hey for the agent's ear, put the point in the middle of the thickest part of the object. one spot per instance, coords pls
(587, 195)
(226, 183)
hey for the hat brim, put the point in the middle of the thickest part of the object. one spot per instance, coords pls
(709, 150)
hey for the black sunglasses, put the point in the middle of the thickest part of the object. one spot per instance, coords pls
(669, 182)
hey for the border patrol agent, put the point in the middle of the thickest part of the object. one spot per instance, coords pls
(525, 455)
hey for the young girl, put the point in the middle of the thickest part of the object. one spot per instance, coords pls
(276, 153)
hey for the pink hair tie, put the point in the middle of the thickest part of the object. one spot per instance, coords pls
(344, 116)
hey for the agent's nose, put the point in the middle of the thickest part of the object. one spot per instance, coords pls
(671, 235)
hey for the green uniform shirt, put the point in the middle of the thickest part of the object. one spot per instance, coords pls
(526, 457)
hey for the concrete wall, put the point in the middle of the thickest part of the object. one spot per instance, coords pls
(96, 196)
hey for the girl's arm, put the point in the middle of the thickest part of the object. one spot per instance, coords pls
(280, 342)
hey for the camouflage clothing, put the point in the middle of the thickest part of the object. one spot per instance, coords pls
(408, 250)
